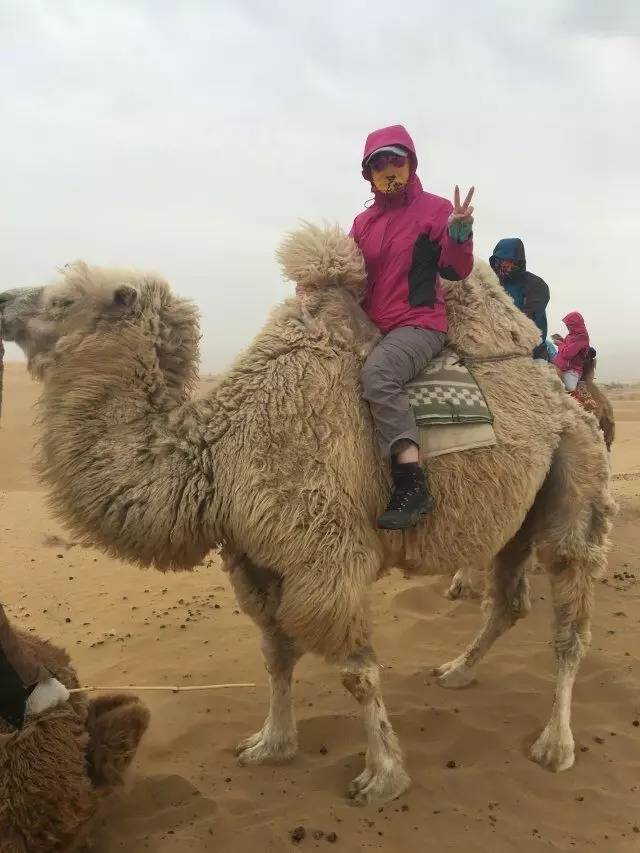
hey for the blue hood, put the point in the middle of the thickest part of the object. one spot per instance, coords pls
(509, 249)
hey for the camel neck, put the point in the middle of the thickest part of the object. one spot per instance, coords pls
(125, 462)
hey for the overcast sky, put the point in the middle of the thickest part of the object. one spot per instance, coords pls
(187, 137)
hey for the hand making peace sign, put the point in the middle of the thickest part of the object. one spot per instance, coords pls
(462, 212)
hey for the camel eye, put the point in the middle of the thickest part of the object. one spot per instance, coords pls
(61, 302)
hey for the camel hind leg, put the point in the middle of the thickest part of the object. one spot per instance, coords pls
(572, 591)
(506, 601)
(573, 537)
(568, 526)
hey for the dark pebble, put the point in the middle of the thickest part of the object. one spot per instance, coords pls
(298, 834)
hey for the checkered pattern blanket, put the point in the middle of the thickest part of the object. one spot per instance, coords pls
(447, 393)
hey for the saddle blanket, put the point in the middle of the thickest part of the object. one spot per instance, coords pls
(450, 409)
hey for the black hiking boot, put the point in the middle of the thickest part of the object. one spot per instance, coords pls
(410, 500)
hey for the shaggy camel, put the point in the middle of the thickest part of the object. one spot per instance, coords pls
(56, 771)
(278, 467)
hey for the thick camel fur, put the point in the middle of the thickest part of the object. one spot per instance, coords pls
(56, 771)
(278, 467)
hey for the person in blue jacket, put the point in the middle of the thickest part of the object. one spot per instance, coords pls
(529, 292)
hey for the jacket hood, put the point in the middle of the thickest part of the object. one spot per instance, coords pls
(575, 323)
(509, 249)
(396, 134)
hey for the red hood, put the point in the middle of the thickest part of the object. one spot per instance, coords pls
(575, 323)
(396, 134)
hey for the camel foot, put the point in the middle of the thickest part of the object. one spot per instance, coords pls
(460, 587)
(553, 750)
(377, 788)
(455, 674)
(263, 748)
(521, 604)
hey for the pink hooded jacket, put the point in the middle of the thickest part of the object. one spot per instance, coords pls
(573, 349)
(406, 246)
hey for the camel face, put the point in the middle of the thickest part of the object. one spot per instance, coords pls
(37, 318)
(19, 310)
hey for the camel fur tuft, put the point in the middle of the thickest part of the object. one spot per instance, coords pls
(318, 258)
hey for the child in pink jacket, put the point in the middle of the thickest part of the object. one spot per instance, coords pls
(572, 350)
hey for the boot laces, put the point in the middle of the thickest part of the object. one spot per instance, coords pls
(400, 499)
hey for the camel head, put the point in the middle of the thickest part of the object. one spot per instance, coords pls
(47, 322)
(37, 318)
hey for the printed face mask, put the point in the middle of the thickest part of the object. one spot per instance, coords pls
(392, 176)
(503, 269)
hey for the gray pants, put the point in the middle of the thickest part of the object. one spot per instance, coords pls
(398, 358)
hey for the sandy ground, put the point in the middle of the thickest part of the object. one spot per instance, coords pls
(127, 626)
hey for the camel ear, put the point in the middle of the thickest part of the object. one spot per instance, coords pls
(125, 296)
(115, 725)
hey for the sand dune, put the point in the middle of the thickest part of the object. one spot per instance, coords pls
(123, 625)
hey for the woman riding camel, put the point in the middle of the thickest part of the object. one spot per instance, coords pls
(409, 239)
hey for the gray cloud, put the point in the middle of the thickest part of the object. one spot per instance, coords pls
(188, 137)
(614, 18)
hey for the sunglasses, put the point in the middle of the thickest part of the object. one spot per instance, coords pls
(380, 161)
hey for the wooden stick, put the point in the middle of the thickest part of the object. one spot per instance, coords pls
(1, 367)
(172, 688)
